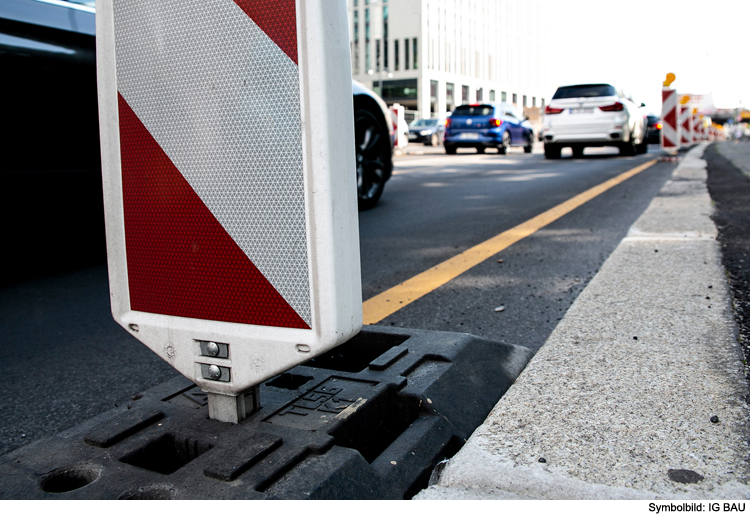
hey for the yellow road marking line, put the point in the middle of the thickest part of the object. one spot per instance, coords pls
(392, 300)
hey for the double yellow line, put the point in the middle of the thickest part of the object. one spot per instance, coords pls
(390, 301)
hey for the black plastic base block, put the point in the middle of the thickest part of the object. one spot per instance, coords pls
(368, 420)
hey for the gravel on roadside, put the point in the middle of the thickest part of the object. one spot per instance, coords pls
(730, 191)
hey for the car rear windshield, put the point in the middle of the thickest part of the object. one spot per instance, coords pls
(474, 110)
(425, 122)
(584, 90)
(653, 119)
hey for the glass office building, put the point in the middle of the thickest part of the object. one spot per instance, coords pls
(432, 55)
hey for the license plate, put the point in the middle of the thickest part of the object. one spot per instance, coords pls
(581, 110)
(469, 135)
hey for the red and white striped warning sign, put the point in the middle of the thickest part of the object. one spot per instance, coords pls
(216, 210)
(696, 128)
(686, 125)
(184, 170)
(669, 131)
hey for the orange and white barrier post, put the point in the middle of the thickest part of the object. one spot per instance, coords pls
(669, 133)
(686, 123)
(231, 241)
(696, 128)
(400, 128)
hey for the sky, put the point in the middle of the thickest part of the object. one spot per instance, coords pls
(634, 44)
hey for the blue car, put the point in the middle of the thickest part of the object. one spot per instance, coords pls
(479, 126)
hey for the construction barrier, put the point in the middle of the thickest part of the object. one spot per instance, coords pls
(697, 135)
(686, 125)
(400, 128)
(669, 133)
(228, 160)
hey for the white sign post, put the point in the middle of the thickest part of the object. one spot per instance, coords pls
(227, 134)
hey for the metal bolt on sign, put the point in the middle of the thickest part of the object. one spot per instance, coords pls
(231, 213)
(214, 372)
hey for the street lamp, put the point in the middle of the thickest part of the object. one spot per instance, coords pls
(387, 72)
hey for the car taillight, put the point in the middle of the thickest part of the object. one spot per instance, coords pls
(448, 122)
(494, 122)
(615, 107)
(658, 126)
(550, 110)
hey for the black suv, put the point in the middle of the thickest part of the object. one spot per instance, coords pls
(51, 165)
(653, 134)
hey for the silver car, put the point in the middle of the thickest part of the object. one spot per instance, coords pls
(427, 131)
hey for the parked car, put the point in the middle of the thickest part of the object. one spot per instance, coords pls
(480, 126)
(374, 138)
(654, 129)
(427, 131)
(593, 115)
(50, 163)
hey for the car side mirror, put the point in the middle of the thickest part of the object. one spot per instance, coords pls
(642, 105)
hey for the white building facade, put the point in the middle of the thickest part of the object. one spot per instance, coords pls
(433, 55)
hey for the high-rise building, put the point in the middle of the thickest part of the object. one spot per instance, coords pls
(433, 55)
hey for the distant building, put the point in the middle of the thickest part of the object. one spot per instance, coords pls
(432, 55)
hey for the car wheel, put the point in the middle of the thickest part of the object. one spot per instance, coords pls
(480, 150)
(628, 149)
(450, 150)
(503, 148)
(373, 158)
(642, 147)
(578, 152)
(528, 148)
(552, 151)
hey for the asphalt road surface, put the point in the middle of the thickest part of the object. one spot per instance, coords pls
(64, 359)
(437, 206)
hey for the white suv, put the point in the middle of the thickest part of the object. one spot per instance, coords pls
(593, 115)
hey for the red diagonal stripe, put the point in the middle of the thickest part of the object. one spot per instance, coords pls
(180, 259)
(277, 19)
(671, 118)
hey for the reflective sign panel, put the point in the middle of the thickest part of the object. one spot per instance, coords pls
(219, 209)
